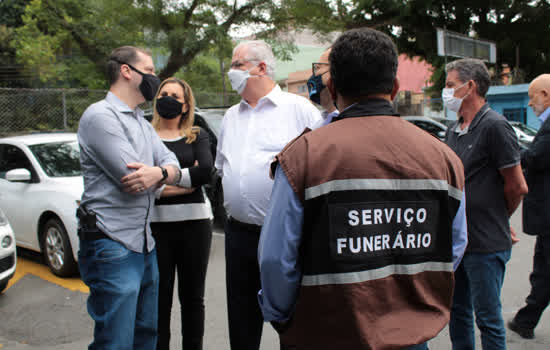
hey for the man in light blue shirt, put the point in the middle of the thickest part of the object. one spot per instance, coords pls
(318, 92)
(322, 287)
(123, 161)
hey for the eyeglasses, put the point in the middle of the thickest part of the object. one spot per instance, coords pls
(239, 64)
(315, 66)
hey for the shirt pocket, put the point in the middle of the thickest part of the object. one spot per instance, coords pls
(273, 137)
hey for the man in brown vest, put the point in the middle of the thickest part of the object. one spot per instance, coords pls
(366, 221)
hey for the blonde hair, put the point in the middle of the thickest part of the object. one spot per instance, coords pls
(185, 126)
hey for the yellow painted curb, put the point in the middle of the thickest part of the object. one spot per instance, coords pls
(28, 267)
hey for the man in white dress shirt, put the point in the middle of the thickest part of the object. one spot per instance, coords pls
(252, 133)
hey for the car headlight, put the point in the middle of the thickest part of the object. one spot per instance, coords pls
(6, 241)
(3, 219)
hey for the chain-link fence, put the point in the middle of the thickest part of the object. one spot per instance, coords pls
(214, 99)
(33, 110)
(27, 110)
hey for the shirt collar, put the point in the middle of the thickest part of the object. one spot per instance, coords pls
(121, 106)
(333, 114)
(544, 115)
(274, 96)
(478, 117)
(326, 115)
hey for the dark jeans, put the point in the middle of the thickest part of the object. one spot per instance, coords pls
(182, 247)
(123, 294)
(539, 297)
(478, 282)
(243, 283)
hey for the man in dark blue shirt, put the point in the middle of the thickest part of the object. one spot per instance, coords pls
(488, 148)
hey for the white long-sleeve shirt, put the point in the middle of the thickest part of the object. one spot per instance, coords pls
(249, 140)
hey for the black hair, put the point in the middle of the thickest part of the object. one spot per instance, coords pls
(363, 61)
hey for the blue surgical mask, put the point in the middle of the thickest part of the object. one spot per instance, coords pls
(315, 86)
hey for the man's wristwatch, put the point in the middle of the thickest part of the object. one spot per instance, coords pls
(164, 173)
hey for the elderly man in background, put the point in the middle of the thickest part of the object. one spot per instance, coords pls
(252, 133)
(536, 211)
(317, 88)
(488, 148)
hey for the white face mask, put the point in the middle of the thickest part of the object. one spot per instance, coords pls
(450, 101)
(239, 78)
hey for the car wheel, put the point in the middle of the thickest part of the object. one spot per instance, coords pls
(3, 286)
(57, 250)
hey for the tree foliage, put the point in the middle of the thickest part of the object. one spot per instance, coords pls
(69, 40)
(516, 26)
(10, 18)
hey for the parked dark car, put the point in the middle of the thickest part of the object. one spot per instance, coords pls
(210, 120)
(429, 125)
(447, 122)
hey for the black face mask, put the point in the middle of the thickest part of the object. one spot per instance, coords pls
(315, 86)
(169, 108)
(149, 84)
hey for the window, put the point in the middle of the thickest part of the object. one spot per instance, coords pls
(12, 157)
(516, 114)
(58, 159)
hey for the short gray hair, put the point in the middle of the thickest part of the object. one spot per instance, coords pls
(472, 69)
(259, 51)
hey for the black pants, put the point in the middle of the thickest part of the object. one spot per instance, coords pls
(183, 247)
(242, 283)
(539, 297)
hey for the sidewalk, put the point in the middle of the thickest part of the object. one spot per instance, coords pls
(65, 316)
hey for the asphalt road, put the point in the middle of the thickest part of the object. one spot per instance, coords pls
(40, 311)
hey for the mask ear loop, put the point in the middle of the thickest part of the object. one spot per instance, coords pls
(468, 94)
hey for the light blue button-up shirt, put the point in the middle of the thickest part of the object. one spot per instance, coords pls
(111, 135)
(544, 115)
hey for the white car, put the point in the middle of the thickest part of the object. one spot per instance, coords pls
(524, 132)
(8, 258)
(40, 189)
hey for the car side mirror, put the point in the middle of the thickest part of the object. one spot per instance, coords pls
(18, 175)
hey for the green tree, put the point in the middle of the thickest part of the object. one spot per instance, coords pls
(69, 40)
(515, 26)
(11, 75)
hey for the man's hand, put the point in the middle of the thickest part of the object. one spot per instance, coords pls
(513, 235)
(142, 179)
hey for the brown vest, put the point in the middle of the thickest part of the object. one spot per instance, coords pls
(379, 197)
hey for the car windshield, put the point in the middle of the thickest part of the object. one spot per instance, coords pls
(529, 131)
(58, 159)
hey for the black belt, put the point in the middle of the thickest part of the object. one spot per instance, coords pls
(244, 226)
(91, 235)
